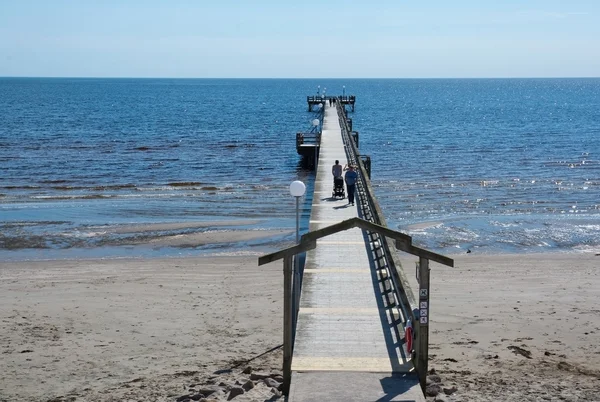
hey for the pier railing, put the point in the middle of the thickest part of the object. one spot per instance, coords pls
(414, 312)
(371, 212)
(349, 100)
(310, 138)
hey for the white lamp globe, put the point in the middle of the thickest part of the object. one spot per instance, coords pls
(297, 188)
(320, 106)
(315, 122)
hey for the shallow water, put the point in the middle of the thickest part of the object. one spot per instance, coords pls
(507, 165)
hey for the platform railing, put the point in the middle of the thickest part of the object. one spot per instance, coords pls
(311, 138)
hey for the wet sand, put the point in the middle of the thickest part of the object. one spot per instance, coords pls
(504, 328)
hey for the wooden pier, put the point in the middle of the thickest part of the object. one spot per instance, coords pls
(353, 328)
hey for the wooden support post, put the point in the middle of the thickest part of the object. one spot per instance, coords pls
(287, 324)
(295, 296)
(422, 341)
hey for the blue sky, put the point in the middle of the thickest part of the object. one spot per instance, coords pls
(303, 38)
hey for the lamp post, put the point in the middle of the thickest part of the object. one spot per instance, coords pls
(343, 90)
(297, 189)
(315, 123)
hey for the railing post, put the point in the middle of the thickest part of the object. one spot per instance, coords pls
(422, 341)
(287, 324)
(317, 151)
(295, 296)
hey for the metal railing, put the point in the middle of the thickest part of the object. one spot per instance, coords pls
(414, 313)
(372, 212)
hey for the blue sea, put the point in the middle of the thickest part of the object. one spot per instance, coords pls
(487, 165)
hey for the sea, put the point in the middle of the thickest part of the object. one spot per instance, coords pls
(463, 165)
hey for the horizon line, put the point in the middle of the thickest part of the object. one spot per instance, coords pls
(296, 78)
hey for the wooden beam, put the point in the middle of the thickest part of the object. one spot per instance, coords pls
(382, 230)
(287, 252)
(430, 255)
(360, 223)
(329, 230)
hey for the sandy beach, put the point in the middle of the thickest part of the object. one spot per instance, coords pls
(517, 327)
(151, 330)
(504, 328)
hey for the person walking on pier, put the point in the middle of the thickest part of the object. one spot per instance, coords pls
(338, 180)
(351, 176)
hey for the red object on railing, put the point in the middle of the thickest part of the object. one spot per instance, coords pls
(408, 336)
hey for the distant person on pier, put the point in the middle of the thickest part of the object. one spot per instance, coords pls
(351, 176)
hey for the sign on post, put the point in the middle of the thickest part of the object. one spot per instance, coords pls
(422, 349)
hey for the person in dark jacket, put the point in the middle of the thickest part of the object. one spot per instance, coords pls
(351, 176)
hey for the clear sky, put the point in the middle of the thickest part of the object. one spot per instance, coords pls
(300, 38)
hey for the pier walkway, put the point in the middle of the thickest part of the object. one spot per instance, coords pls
(347, 345)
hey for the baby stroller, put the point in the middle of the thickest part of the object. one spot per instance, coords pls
(338, 188)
